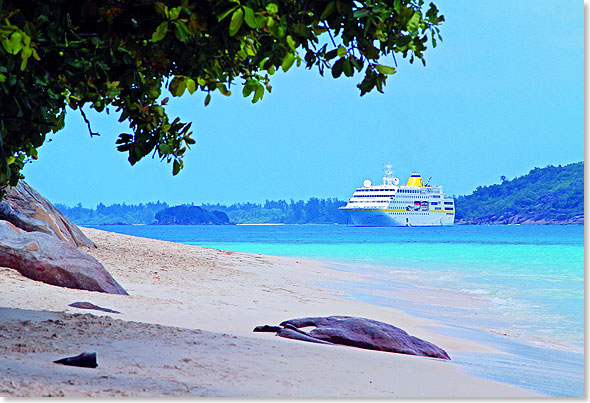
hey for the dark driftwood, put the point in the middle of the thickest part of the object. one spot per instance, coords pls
(267, 328)
(89, 305)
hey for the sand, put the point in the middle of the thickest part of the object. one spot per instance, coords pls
(186, 330)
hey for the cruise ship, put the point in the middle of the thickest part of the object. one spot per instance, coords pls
(389, 205)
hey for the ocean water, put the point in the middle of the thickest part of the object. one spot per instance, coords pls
(519, 287)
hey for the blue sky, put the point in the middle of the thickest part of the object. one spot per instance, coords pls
(502, 94)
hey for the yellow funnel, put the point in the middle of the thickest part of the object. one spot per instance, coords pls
(415, 180)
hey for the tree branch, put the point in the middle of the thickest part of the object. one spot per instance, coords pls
(330, 33)
(92, 134)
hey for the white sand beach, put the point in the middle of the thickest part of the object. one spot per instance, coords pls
(186, 330)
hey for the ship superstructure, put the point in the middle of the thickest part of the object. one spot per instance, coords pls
(391, 205)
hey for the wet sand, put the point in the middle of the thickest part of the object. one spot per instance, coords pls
(186, 330)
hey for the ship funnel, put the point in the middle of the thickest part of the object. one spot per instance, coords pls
(415, 180)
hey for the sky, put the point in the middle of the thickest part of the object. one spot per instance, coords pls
(502, 94)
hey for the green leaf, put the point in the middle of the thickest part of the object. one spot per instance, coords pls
(226, 13)
(337, 68)
(175, 167)
(249, 17)
(14, 44)
(182, 32)
(237, 19)
(288, 62)
(258, 94)
(414, 22)
(372, 52)
(360, 13)
(161, 8)
(160, 32)
(175, 12)
(341, 51)
(223, 89)
(179, 88)
(207, 99)
(260, 21)
(248, 88)
(331, 54)
(347, 68)
(291, 42)
(272, 8)
(191, 86)
(164, 148)
(384, 69)
(328, 10)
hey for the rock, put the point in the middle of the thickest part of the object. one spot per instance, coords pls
(360, 332)
(86, 360)
(89, 305)
(46, 258)
(25, 208)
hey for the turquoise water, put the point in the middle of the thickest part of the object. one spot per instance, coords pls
(525, 282)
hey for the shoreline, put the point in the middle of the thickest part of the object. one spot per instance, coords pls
(181, 294)
(457, 299)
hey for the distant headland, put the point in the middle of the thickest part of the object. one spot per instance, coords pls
(550, 195)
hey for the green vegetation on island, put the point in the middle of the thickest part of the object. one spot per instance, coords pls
(190, 215)
(317, 211)
(119, 213)
(313, 211)
(550, 195)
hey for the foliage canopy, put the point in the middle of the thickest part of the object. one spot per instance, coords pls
(119, 54)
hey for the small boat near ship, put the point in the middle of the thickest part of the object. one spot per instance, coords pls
(390, 205)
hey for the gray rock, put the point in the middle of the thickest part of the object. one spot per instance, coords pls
(24, 207)
(360, 332)
(43, 257)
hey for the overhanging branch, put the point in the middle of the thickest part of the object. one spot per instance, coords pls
(92, 134)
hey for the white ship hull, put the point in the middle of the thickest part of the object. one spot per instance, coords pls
(417, 204)
(393, 218)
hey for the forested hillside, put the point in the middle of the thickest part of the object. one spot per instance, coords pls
(550, 195)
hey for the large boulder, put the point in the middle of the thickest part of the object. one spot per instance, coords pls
(44, 257)
(357, 332)
(24, 207)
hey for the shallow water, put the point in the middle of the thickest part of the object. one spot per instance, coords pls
(524, 283)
